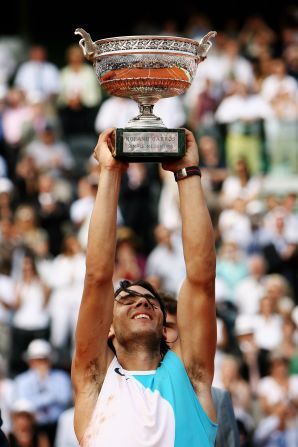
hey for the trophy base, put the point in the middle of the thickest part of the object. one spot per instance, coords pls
(149, 145)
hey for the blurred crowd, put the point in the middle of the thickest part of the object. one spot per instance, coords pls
(243, 108)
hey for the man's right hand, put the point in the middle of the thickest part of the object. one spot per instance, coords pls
(104, 149)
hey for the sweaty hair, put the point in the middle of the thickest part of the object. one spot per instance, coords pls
(170, 303)
(125, 286)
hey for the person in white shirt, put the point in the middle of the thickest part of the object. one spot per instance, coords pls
(78, 79)
(37, 75)
(251, 289)
(166, 260)
(65, 435)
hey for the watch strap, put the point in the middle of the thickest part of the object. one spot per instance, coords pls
(180, 174)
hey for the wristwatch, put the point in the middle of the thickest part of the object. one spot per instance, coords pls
(187, 172)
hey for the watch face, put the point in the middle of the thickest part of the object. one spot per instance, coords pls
(187, 172)
(181, 173)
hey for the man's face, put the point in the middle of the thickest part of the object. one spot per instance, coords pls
(137, 317)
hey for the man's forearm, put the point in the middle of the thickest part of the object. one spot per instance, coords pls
(102, 230)
(197, 231)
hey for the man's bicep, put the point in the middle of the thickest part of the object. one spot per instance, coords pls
(196, 317)
(94, 321)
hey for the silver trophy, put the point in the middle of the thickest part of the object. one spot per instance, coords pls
(145, 69)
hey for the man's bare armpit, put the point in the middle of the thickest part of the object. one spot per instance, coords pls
(94, 375)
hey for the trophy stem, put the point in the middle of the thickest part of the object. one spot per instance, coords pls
(146, 118)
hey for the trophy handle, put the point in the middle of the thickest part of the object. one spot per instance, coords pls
(205, 45)
(88, 46)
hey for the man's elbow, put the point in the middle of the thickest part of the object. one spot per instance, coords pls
(203, 275)
(97, 277)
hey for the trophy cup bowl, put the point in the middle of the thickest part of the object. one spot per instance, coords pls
(146, 69)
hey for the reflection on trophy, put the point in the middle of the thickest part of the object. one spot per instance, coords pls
(146, 69)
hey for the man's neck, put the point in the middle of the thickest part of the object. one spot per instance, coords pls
(138, 359)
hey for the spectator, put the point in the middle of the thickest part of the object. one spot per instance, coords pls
(48, 390)
(115, 112)
(268, 325)
(52, 209)
(279, 429)
(37, 75)
(250, 290)
(24, 432)
(278, 387)
(244, 113)
(240, 184)
(234, 223)
(77, 79)
(67, 279)
(65, 435)
(231, 265)
(239, 390)
(15, 115)
(31, 318)
(136, 189)
(166, 260)
(49, 153)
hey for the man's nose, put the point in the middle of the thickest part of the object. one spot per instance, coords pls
(142, 301)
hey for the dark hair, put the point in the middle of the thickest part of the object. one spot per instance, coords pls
(124, 286)
(170, 302)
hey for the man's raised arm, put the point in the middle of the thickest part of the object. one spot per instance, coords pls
(196, 315)
(96, 310)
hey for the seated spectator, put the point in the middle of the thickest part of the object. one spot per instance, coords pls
(65, 435)
(239, 390)
(250, 290)
(234, 224)
(50, 153)
(37, 75)
(243, 113)
(212, 165)
(48, 390)
(27, 231)
(129, 262)
(279, 429)
(78, 79)
(24, 432)
(288, 345)
(67, 279)
(278, 387)
(31, 318)
(52, 209)
(240, 184)
(115, 112)
(268, 324)
(231, 265)
(166, 260)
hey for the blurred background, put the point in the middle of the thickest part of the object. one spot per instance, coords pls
(243, 109)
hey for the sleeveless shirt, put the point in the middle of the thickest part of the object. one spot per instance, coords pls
(149, 409)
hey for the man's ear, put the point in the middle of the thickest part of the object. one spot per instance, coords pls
(111, 332)
(164, 333)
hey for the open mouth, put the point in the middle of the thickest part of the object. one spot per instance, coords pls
(141, 317)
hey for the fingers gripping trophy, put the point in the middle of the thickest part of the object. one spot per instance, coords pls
(146, 69)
